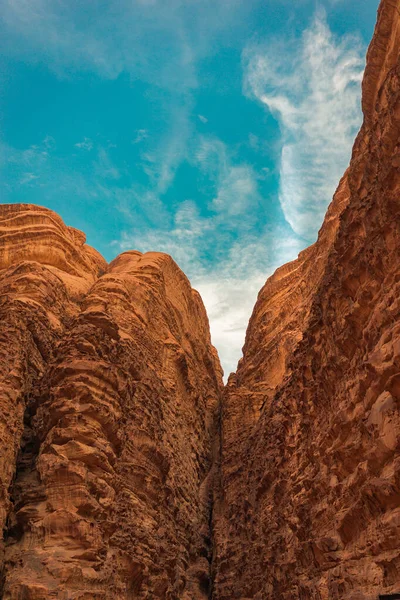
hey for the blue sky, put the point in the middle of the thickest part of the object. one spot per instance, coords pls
(214, 130)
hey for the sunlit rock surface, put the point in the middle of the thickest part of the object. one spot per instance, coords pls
(308, 504)
(109, 397)
(127, 472)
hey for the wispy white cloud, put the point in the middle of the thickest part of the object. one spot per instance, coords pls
(313, 88)
(104, 166)
(173, 148)
(39, 166)
(29, 161)
(182, 240)
(230, 290)
(118, 36)
(85, 144)
(236, 183)
(161, 160)
(27, 178)
(203, 119)
(119, 39)
(141, 134)
(210, 153)
(314, 92)
(241, 258)
(228, 287)
(237, 192)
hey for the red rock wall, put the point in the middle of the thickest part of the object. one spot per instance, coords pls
(122, 475)
(44, 268)
(308, 503)
(276, 327)
(109, 402)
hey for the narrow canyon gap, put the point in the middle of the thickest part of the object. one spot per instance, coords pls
(128, 471)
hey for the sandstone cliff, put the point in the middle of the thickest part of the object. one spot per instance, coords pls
(308, 503)
(109, 395)
(127, 472)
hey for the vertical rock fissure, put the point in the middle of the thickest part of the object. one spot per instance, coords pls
(215, 492)
(25, 484)
(211, 533)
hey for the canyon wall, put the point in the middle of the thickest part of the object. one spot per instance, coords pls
(127, 472)
(109, 399)
(308, 498)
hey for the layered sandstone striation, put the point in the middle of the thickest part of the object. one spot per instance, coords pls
(279, 319)
(44, 268)
(109, 398)
(126, 472)
(309, 490)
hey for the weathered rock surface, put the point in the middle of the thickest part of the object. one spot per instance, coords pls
(45, 267)
(123, 476)
(308, 504)
(109, 397)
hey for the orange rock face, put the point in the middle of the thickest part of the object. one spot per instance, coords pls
(308, 504)
(109, 398)
(127, 472)
(44, 268)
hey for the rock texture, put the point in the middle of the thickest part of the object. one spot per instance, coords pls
(109, 396)
(126, 472)
(44, 268)
(308, 500)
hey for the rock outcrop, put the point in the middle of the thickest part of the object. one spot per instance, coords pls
(44, 268)
(308, 503)
(127, 472)
(109, 398)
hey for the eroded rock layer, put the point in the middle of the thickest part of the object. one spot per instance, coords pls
(109, 396)
(45, 267)
(121, 478)
(309, 491)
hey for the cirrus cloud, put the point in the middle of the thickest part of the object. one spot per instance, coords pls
(313, 88)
